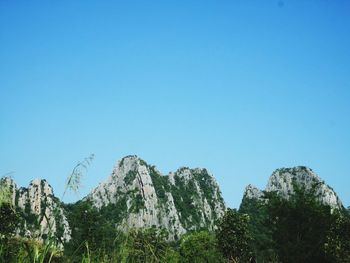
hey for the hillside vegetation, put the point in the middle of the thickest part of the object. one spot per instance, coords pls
(139, 215)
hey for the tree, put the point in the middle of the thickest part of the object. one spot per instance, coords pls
(262, 244)
(300, 225)
(234, 237)
(143, 245)
(8, 221)
(88, 227)
(337, 244)
(8, 215)
(200, 247)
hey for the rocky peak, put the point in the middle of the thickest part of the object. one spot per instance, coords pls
(128, 163)
(8, 187)
(284, 180)
(42, 186)
(136, 194)
(252, 192)
(188, 199)
(41, 212)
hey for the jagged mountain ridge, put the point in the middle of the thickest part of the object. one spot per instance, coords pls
(138, 195)
(135, 195)
(189, 199)
(283, 180)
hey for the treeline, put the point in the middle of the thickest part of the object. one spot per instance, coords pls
(271, 229)
(297, 229)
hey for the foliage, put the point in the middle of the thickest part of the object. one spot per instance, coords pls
(88, 226)
(262, 243)
(147, 245)
(172, 256)
(274, 229)
(74, 179)
(299, 224)
(205, 182)
(28, 251)
(130, 177)
(337, 244)
(302, 223)
(200, 247)
(137, 203)
(50, 248)
(184, 193)
(5, 193)
(234, 237)
(8, 220)
(297, 229)
(161, 184)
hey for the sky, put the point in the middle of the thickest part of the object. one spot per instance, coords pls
(238, 87)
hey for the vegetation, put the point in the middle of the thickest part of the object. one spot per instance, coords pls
(261, 244)
(8, 219)
(299, 224)
(146, 245)
(200, 247)
(234, 237)
(273, 229)
(298, 229)
(184, 194)
(161, 184)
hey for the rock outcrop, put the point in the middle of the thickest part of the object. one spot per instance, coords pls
(40, 211)
(141, 196)
(284, 180)
(252, 192)
(136, 195)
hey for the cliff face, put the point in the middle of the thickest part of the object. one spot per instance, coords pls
(284, 180)
(136, 195)
(40, 211)
(140, 196)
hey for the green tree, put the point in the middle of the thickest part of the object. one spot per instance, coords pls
(88, 228)
(337, 244)
(300, 225)
(262, 243)
(144, 245)
(8, 220)
(200, 247)
(234, 237)
(172, 256)
(8, 215)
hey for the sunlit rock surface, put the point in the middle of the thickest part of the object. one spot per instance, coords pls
(188, 199)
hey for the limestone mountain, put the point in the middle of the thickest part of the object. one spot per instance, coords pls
(40, 212)
(138, 195)
(284, 180)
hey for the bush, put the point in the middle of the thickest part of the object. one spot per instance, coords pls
(200, 247)
(147, 245)
(234, 237)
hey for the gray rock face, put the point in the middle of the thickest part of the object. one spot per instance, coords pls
(136, 195)
(283, 181)
(40, 209)
(252, 192)
(141, 196)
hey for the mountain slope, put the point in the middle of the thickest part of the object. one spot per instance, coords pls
(40, 211)
(138, 195)
(284, 180)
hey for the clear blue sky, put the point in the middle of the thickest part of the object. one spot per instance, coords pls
(238, 87)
